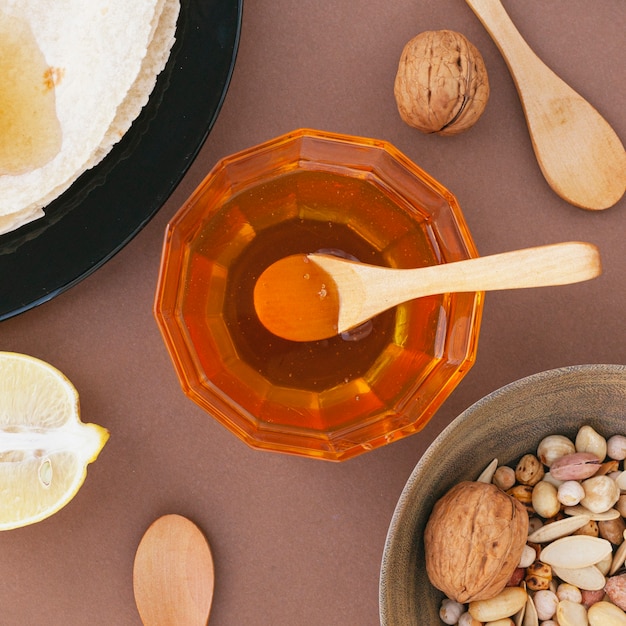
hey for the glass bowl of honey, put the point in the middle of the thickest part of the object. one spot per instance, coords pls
(311, 191)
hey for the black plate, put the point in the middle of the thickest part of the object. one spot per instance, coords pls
(108, 205)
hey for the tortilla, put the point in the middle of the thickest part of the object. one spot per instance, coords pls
(105, 57)
(153, 64)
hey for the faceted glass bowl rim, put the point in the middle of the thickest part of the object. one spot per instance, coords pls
(195, 382)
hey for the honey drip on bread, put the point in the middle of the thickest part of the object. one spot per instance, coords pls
(30, 131)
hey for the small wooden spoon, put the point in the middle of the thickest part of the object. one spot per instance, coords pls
(173, 575)
(316, 296)
(578, 152)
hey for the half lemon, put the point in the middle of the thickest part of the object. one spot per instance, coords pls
(44, 446)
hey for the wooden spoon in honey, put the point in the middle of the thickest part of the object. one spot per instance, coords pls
(580, 155)
(173, 575)
(306, 297)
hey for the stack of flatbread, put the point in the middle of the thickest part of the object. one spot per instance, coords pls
(103, 60)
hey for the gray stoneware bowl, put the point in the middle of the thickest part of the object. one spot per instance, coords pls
(504, 425)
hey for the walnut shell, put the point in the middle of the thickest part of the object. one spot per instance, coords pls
(474, 540)
(441, 85)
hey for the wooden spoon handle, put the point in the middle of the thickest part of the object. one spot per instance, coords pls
(518, 55)
(556, 264)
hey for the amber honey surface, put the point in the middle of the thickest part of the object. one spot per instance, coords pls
(306, 211)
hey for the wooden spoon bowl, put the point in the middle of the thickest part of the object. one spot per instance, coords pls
(173, 576)
(580, 155)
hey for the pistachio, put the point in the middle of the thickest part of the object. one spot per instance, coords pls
(590, 578)
(576, 466)
(552, 447)
(506, 603)
(575, 551)
(588, 440)
(606, 614)
(601, 493)
(571, 614)
(529, 470)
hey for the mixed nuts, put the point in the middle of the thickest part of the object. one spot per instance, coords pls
(568, 542)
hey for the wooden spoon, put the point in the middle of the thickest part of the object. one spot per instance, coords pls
(316, 296)
(579, 153)
(173, 576)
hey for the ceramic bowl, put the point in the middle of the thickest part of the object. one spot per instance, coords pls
(304, 192)
(505, 425)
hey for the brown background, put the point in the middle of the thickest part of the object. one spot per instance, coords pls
(299, 541)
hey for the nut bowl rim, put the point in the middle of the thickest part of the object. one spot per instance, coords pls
(403, 547)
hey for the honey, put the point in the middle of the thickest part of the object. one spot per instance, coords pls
(301, 193)
(313, 365)
(302, 212)
(296, 299)
(30, 131)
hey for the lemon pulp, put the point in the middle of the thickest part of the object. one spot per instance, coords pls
(44, 446)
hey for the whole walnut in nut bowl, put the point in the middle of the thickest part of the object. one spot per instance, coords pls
(474, 540)
(441, 85)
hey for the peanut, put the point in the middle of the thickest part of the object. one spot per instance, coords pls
(616, 590)
(506, 603)
(577, 466)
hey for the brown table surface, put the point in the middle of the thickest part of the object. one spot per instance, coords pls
(299, 541)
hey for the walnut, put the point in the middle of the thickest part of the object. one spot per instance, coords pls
(474, 540)
(441, 85)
